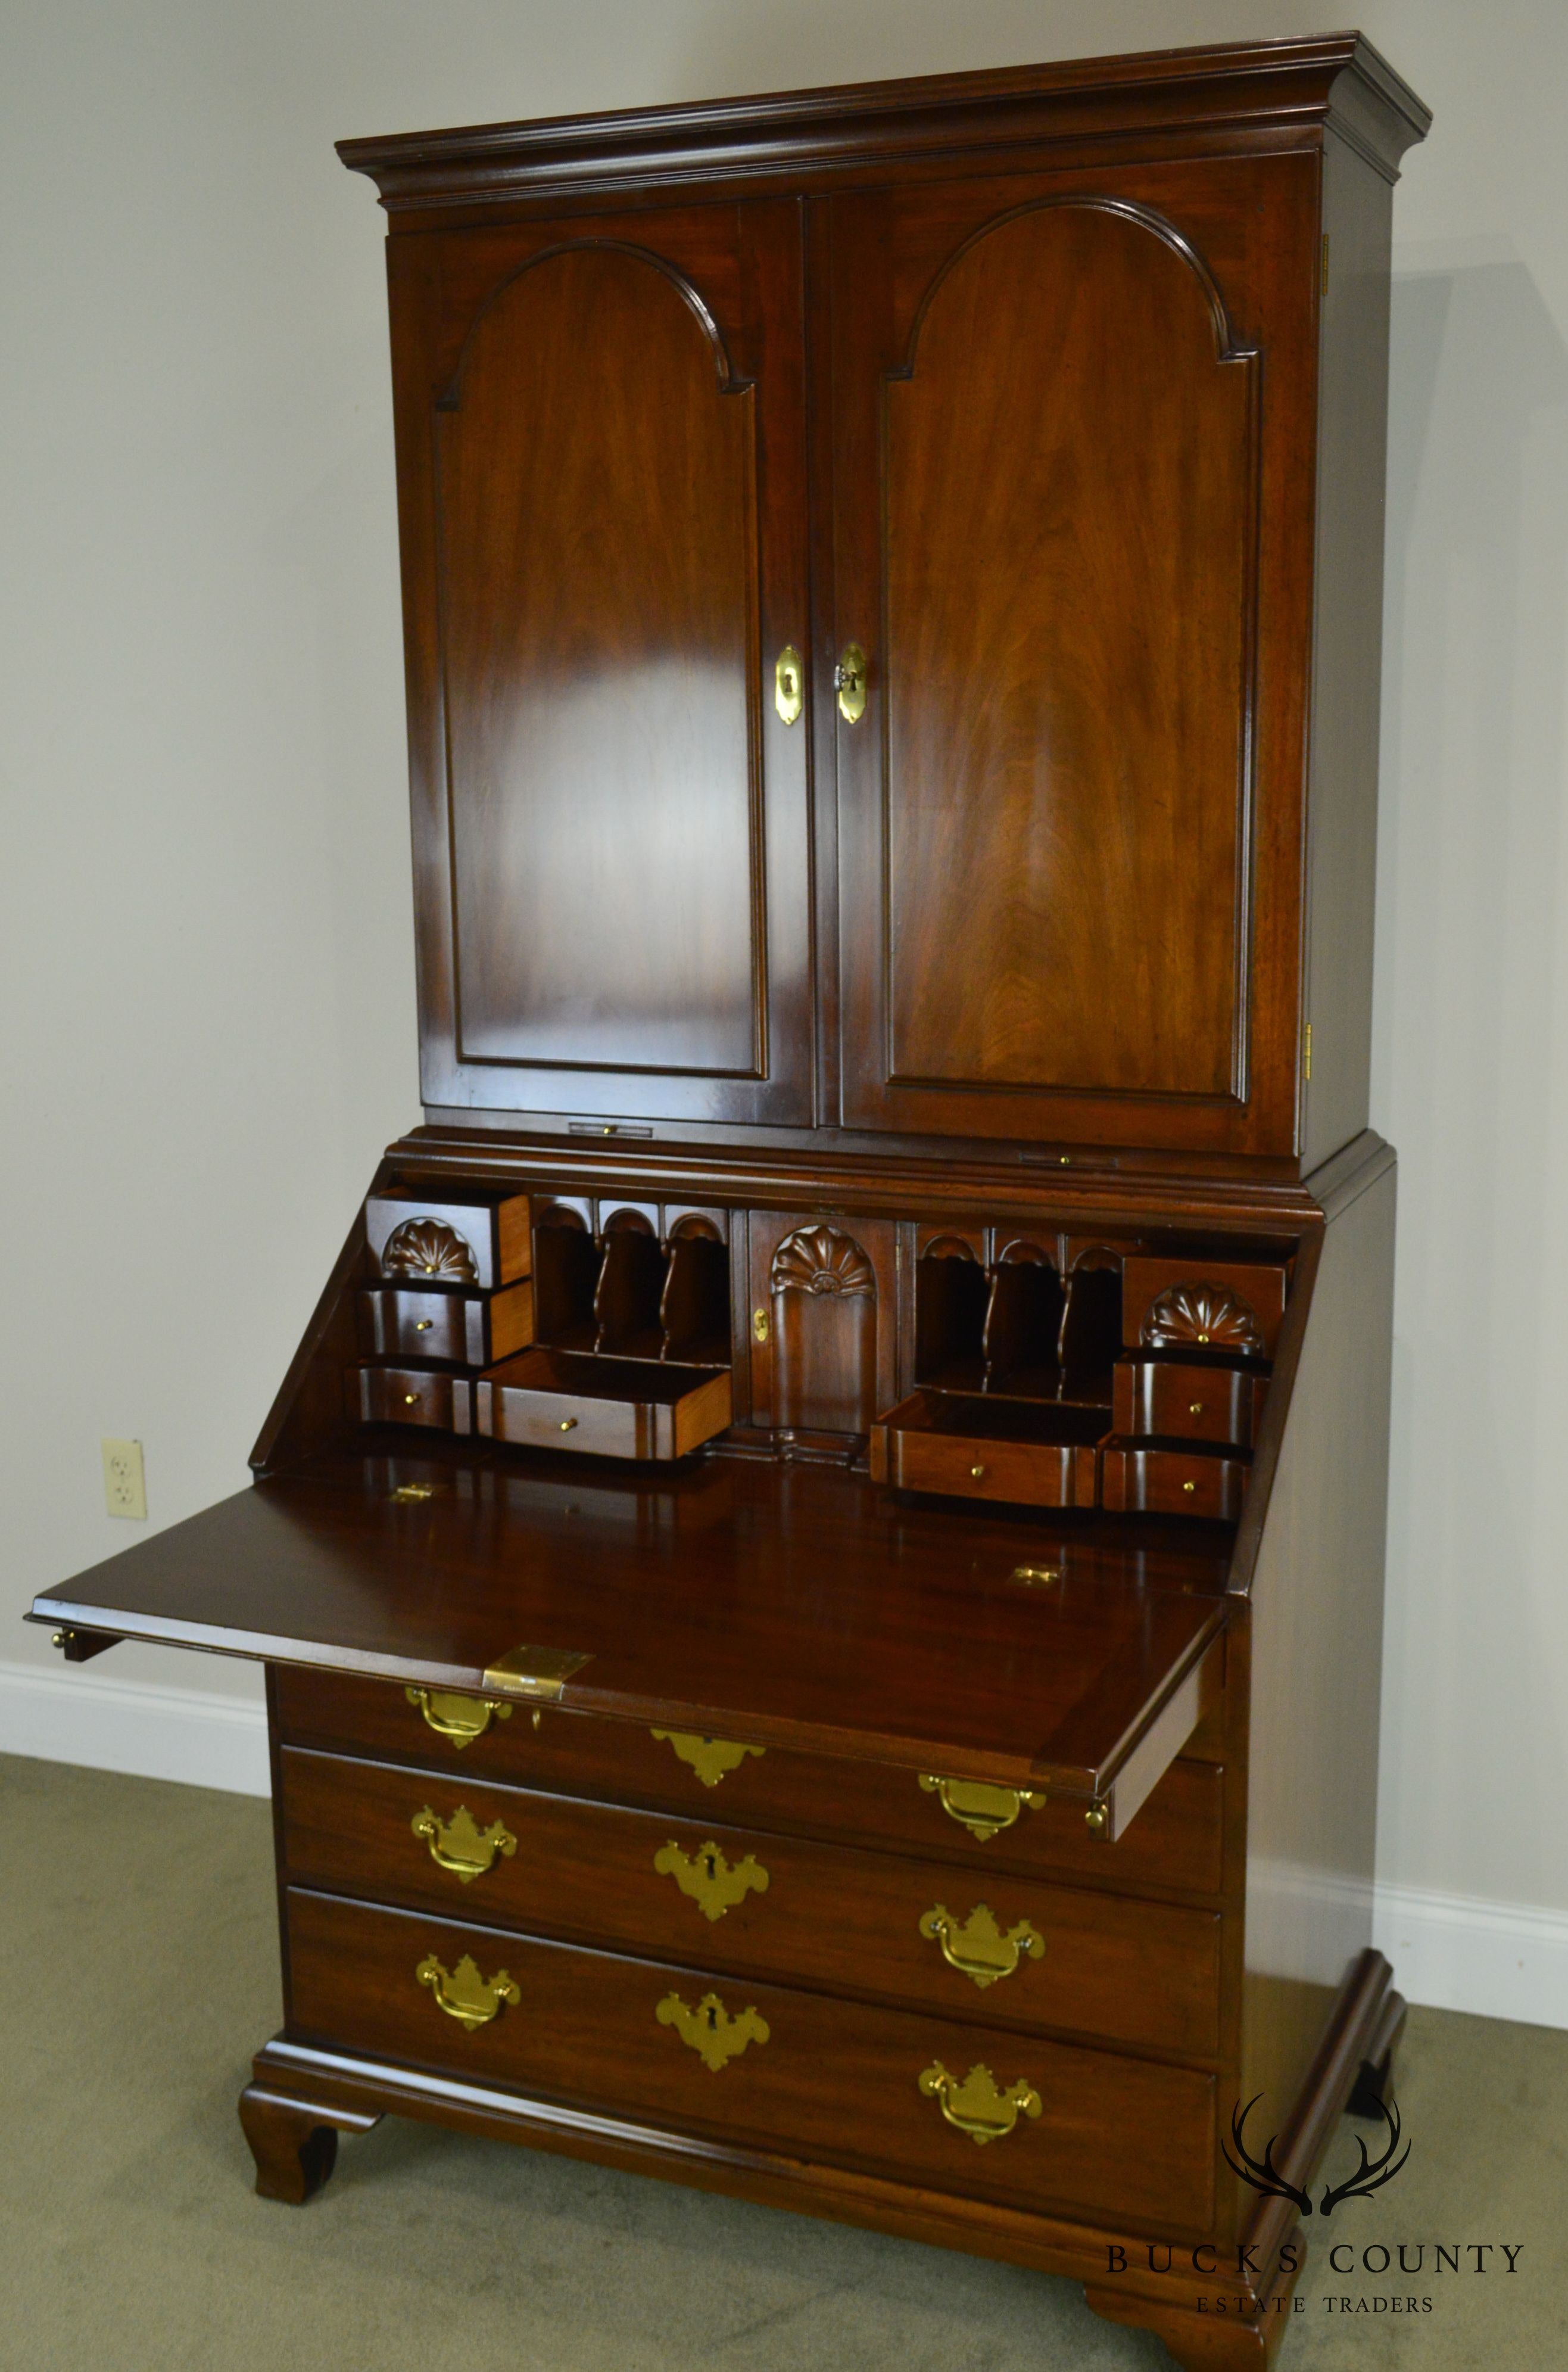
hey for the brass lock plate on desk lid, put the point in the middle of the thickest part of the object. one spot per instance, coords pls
(540, 1673)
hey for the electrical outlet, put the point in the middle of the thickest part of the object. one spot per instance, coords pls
(125, 1483)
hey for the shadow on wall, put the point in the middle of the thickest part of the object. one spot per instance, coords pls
(1476, 628)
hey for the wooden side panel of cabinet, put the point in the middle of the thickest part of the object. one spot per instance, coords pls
(602, 485)
(1074, 538)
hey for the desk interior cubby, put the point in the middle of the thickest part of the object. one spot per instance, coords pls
(1032, 1366)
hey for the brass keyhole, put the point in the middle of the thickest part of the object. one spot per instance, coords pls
(849, 681)
(788, 684)
(712, 2018)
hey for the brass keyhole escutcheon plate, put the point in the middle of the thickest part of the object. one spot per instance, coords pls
(709, 1879)
(710, 2031)
(789, 684)
(849, 677)
(709, 1756)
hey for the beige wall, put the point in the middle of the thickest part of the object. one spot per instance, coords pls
(206, 933)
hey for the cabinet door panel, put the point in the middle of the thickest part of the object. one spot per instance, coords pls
(1050, 451)
(604, 524)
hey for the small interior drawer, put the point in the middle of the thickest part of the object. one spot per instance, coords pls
(1188, 1398)
(450, 1235)
(1035, 1454)
(474, 1329)
(1194, 1302)
(1172, 1479)
(410, 1395)
(613, 1408)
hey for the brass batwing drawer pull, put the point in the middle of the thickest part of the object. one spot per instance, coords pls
(709, 2030)
(978, 1948)
(460, 1718)
(978, 2106)
(463, 1993)
(980, 1808)
(709, 1756)
(460, 1844)
(708, 1878)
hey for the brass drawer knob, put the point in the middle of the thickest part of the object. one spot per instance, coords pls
(709, 1756)
(710, 2031)
(976, 1947)
(708, 1878)
(980, 1808)
(977, 1474)
(463, 1993)
(978, 2106)
(422, 1325)
(460, 1844)
(461, 1719)
(568, 1424)
(1189, 1488)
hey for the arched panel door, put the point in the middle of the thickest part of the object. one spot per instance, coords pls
(613, 845)
(1048, 486)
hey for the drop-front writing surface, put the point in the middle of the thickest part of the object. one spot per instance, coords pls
(604, 424)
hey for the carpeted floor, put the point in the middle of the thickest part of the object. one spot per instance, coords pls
(137, 1974)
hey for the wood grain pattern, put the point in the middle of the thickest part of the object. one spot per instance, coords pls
(598, 601)
(1067, 698)
(1172, 1849)
(1109, 1969)
(836, 2081)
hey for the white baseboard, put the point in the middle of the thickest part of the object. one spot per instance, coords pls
(1460, 1951)
(1449, 1952)
(73, 1715)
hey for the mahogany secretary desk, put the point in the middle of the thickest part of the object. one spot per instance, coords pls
(821, 1560)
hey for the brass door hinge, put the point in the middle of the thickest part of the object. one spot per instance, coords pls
(1307, 1054)
(1325, 263)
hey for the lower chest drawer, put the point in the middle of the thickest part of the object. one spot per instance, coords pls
(1174, 1843)
(1004, 1949)
(983, 2113)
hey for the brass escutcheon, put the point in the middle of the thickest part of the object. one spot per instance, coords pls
(460, 1844)
(461, 1719)
(789, 677)
(710, 2031)
(708, 1877)
(709, 1756)
(978, 1948)
(849, 680)
(978, 2106)
(979, 1806)
(463, 1993)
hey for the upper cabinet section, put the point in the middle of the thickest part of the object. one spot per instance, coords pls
(600, 448)
(872, 566)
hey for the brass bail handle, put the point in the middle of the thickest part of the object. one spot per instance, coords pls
(848, 682)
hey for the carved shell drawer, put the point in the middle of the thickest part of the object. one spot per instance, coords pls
(977, 2110)
(990, 1947)
(1173, 1847)
(472, 1236)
